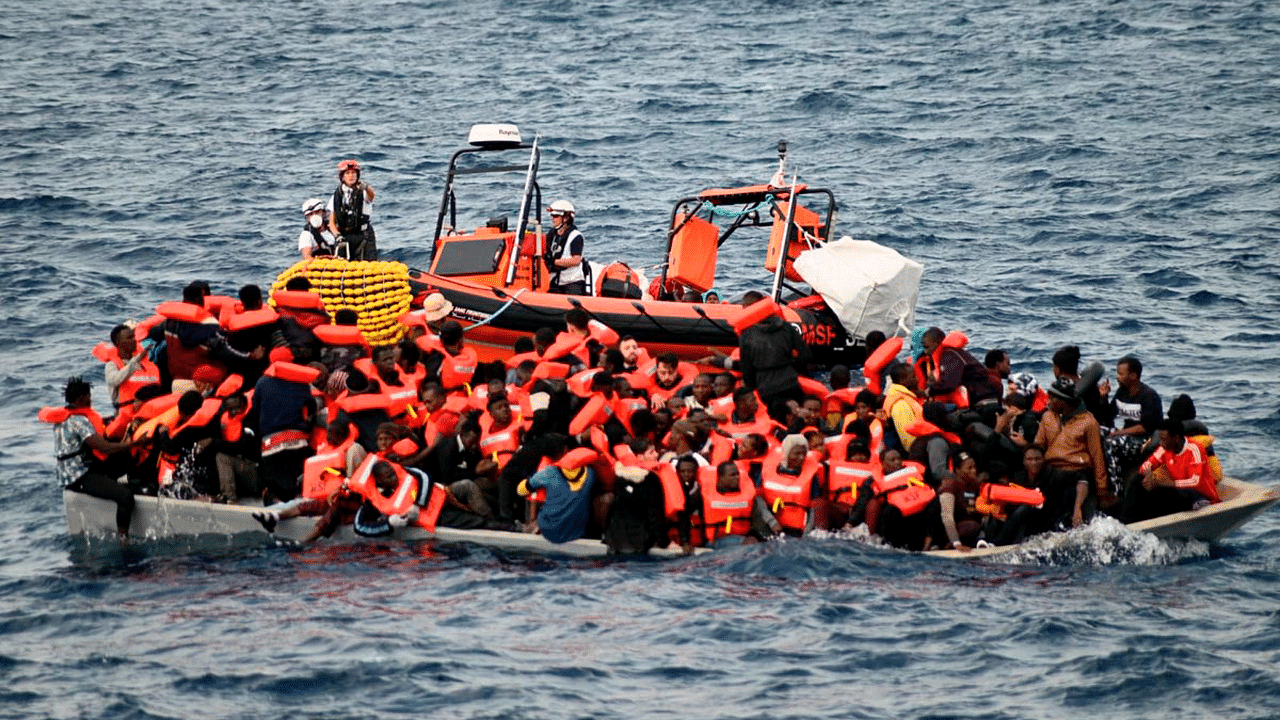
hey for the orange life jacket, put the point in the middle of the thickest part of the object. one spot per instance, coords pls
(59, 415)
(362, 483)
(960, 396)
(324, 472)
(729, 513)
(499, 444)
(146, 373)
(457, 370)
(789, 496)
(251, 319)
(844, 478)
(873, 368)
(905, 489)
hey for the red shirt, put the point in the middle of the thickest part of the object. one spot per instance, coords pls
(1186, 467)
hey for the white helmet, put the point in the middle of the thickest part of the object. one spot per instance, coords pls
(311, 205)
(560, 207)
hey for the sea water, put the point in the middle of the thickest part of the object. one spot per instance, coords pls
(1102, 174)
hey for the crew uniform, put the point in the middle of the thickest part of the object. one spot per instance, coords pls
(351, 208)
(315, 235)
(566, 242)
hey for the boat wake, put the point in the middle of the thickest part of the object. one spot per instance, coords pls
(1104, 541)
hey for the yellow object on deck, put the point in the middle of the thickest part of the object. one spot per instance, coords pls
(377, 291)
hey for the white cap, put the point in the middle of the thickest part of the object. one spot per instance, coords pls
(311, 205)
(561, 206)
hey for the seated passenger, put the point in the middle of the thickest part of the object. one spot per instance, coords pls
(960, 522)
(569, 485)
(1072, 442)
(82, 452)
(1175, 478)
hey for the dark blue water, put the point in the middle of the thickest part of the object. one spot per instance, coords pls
(1082, 172)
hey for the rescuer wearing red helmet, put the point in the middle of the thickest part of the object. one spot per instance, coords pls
(350, 210)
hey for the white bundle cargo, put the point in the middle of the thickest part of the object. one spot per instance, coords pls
(867, 285)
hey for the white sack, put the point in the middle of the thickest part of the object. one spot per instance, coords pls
(867, 285)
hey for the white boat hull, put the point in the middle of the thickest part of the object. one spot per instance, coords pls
(1241, 501)
(163, 518)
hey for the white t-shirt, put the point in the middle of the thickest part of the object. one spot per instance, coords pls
(307, 240)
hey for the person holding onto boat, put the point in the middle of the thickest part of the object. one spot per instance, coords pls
(564, 251)
(350, 210)
(1072, 441)
(316, 240)
(569, 481)
(82, 452)
(772, 356)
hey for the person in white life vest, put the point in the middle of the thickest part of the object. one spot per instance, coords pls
(564, 251)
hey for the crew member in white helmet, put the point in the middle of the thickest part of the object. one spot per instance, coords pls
(315, 239)
(564, 252)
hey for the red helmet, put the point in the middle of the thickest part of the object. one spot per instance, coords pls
(346, 165)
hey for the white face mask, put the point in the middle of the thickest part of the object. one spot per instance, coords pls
(316, 220)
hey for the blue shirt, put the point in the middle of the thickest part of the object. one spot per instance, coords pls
(564, 515)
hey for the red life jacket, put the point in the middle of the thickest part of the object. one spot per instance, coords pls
(325, 471)
(844, 478)
(789, 496)
(905, 490)
(729, 513)
(146, 373)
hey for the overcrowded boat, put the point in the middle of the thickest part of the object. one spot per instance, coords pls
(510, 395)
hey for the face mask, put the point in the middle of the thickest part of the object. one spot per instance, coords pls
(316, 220)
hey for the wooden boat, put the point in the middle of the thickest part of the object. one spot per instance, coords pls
(1241, 502)
(498, 285)
(163, 518)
